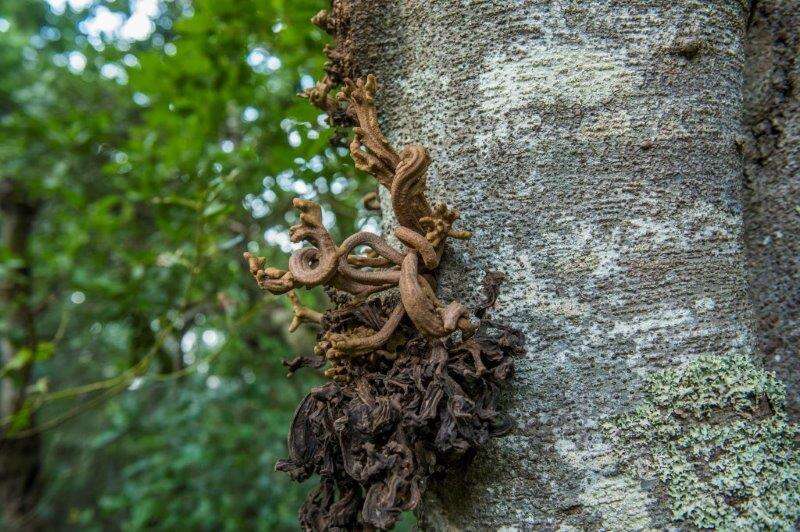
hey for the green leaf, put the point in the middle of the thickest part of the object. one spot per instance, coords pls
(44, 351)
(42, 385)
(18, 361)
(213, 208)
(20, 420)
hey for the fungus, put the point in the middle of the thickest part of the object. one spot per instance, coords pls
(414, 381)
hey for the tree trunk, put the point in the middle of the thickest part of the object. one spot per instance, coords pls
(20, 460)
(772, 170)
(595, 149)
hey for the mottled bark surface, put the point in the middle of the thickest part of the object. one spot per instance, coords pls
(594, 149)
(772, 149)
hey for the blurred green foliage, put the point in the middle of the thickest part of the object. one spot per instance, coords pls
(160, 141)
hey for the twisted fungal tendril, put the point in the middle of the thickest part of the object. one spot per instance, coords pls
(414, 381)
(411, 270)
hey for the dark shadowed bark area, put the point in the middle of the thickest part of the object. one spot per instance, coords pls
(772, 171)
(595, 149)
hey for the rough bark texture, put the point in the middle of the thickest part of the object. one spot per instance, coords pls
(772, 219)
(594, 148)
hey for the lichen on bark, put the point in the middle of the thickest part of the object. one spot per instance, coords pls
(715, 434)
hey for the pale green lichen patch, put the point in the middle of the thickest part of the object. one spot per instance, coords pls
(715, 434)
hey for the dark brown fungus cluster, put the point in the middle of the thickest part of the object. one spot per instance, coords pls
(414, 380)
(339, 66)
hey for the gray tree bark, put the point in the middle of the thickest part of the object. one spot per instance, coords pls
(597, 150)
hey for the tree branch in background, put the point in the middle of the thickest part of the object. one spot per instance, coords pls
(20, 461)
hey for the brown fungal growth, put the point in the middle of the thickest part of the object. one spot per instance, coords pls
(414, 380)
(371, 201)
(339, 66)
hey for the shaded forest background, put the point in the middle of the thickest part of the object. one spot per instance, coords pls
(152, 143)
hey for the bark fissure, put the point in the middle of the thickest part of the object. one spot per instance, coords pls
(771, 150)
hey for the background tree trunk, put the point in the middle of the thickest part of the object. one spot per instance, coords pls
(772, 172)
(20, 460)
(597, 151)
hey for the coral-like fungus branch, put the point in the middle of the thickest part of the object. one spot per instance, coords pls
(339, 66)
(423, 230)
(407, 397)
(302, 314)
